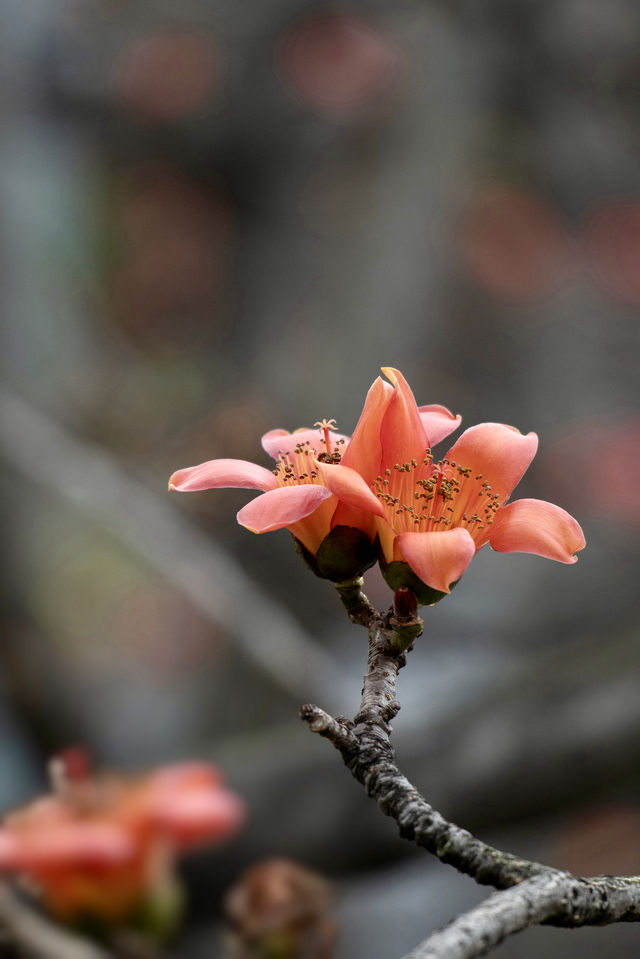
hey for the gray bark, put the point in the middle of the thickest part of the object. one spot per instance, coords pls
(529, 892)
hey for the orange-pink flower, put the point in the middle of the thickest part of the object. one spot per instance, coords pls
(101, 845)
(295, 495)
(434, 515)
(383, 482)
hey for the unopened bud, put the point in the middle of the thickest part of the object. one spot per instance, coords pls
(280, 908)
(398, 574)
(405, 603)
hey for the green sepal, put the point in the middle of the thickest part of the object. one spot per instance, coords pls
(344, 553)
(399, 574)
(279, 945)
(162, 911)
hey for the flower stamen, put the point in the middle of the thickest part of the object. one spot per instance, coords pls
(298, 467)
(440, 495)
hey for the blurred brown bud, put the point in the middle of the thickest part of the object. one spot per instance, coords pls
(278, 909)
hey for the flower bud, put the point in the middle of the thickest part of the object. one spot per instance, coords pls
(279, 908)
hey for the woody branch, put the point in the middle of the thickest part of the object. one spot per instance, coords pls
(530, 893)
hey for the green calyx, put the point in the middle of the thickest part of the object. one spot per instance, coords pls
(162, 911)
(344, 554)
(398, 574)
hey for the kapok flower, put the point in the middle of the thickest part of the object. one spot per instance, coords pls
(337, 538)
(434, 515)
(101, 847)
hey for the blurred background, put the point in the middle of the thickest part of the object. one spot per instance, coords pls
(217, 218)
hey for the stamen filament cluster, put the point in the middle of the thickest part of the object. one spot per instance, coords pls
(424, 496)
(297, 467)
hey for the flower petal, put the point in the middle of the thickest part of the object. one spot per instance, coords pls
(439, 559)
(502, 454)
(402, 434)
(364, 452)
(223, 473)
(193, 815)
(68, 846)
(282, 507)
(280, 441)
(438, 422)
(350, 488)
(312, 529)
(535, 526)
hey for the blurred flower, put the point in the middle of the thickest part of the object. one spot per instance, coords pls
(280, 908)
(434, 516)
(612, 238)
(514, 244)
(102, 847)
(337, 63)
(167, 75)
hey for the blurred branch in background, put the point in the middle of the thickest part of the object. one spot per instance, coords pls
(33, 937)
(91, 480)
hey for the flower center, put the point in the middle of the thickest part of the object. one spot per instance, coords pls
(297, 467)
(424, 497)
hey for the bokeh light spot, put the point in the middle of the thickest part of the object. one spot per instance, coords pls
(167, 75)
(612, 238)
(596, 841)
(580, 454)
(514, 245)
(171, 241)
(337, 63)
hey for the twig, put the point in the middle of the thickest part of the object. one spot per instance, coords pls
(554, 898)
(530, 893)
(34, 937)
(370, 756)
(93, 482)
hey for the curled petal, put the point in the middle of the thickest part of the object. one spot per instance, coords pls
(223, 473)
(501, 454)
(272, 442)
(438, 422)
(364, 452)
(350, 488)
(402, 434)
(281, 507)
(276, 442)
(535, 526)
(438, 559)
